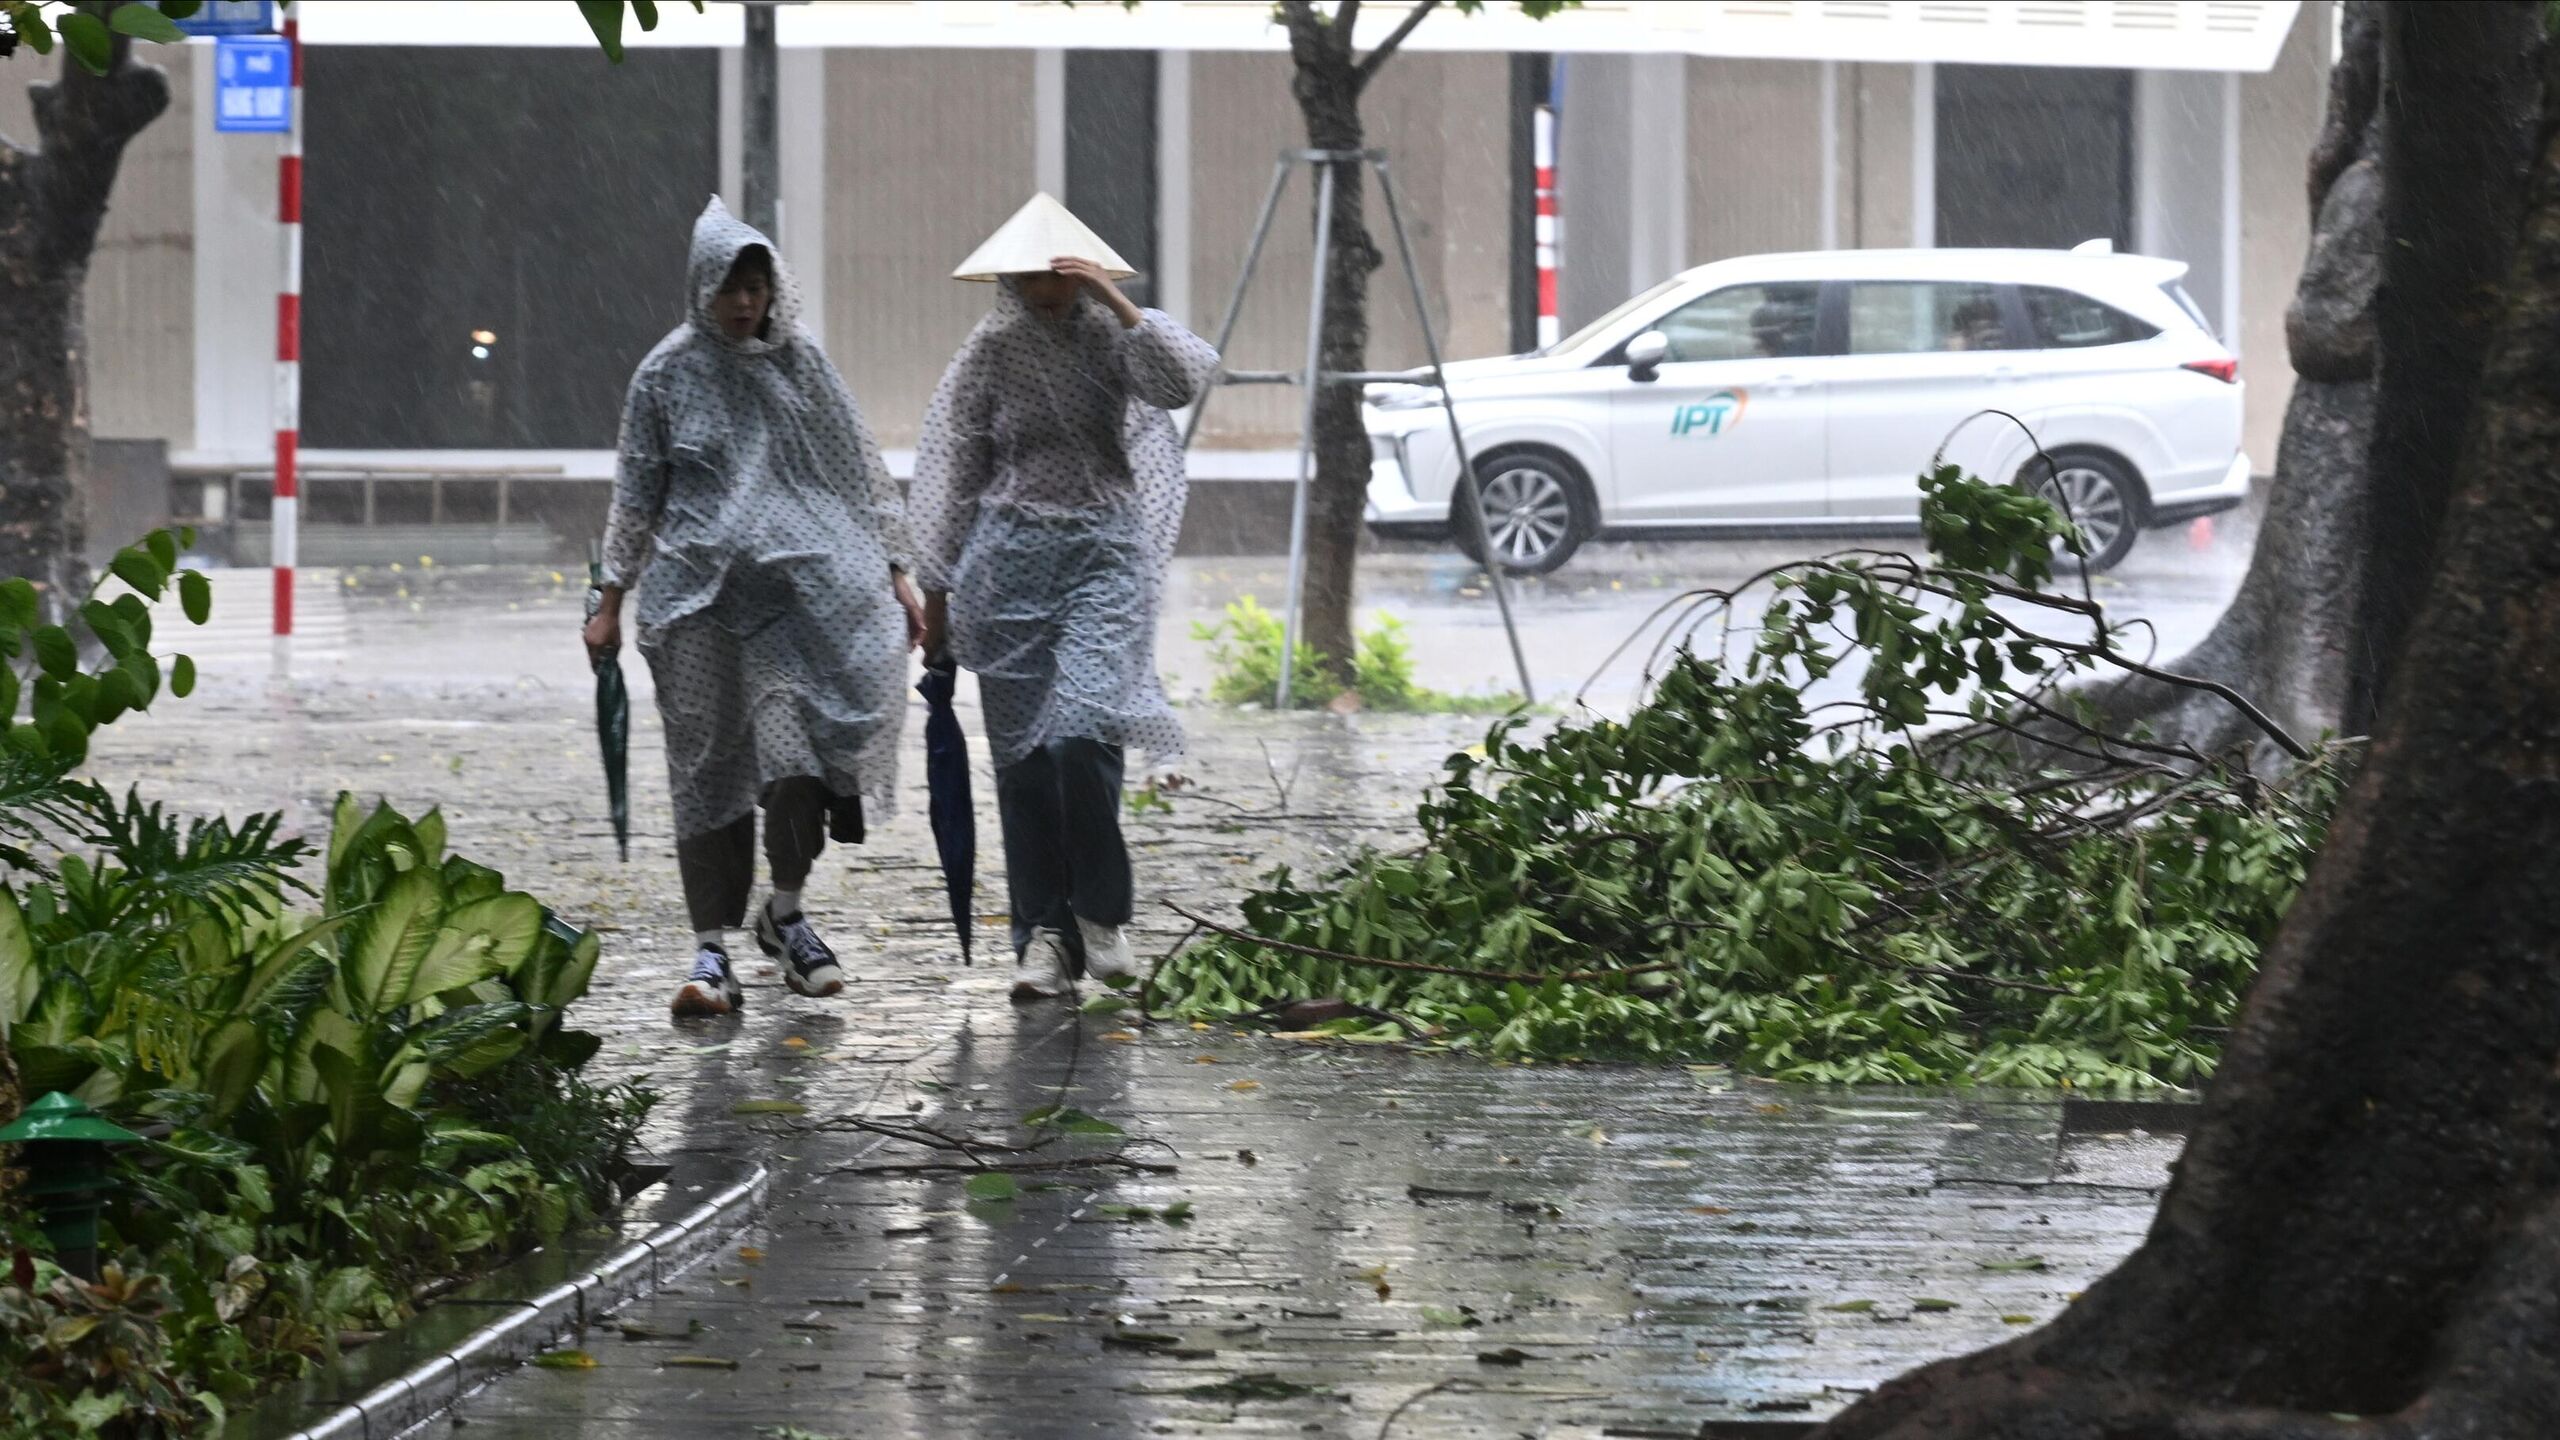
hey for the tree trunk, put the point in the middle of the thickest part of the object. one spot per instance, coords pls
(2457, 104)
(2367, 1221)
(52, 200)
(1327, 86)
(2346, 542)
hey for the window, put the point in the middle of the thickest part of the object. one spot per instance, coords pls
(1618, 312)
(1743, 322)
(451, 216)
(1111, 155)
(2187, 303)
(1914, 318)
(2065, 320)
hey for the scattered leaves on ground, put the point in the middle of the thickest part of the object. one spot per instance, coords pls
(768, 1107)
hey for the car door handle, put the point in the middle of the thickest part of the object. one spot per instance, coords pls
(1782, 383)
(2001, 373)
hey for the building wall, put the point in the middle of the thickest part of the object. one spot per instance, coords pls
(1440, 120)
(927, 152)
(141, 293)
(2179, 156)
(1755, 157)
(1875, 130)
(1595, 144)
(2280, 114)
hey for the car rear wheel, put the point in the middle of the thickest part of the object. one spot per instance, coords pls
(1537, 512)
(2097, 493)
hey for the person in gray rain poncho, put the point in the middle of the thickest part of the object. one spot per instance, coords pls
(751, 506)
(1048, 492)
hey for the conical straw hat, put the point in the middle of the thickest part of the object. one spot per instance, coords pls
(1039, 233)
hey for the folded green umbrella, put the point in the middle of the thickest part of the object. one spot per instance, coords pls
(613, 721)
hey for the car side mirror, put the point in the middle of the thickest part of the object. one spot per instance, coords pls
(1645, 355)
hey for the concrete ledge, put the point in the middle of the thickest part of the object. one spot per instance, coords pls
(469, 1338)
(2104, 1117)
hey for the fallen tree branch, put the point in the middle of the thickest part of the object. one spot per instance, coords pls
(1519, 977)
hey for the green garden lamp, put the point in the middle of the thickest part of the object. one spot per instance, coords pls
(67, 1167)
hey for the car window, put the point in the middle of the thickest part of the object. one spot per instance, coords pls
(2187, 303)
(1743, 322)
(1902, 317)
(1621, 311)
(2067, 320)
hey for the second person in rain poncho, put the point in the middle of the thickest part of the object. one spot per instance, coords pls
(774, 611)
(1048, 493)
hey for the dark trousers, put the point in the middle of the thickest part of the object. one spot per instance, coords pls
(719, 866)
(1063, 858)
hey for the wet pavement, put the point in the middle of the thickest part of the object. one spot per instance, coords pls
(1375, 1242)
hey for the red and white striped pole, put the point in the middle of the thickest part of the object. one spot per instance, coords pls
(288, 491)
(1543, 139)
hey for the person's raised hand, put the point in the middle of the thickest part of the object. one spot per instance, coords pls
(910, 602)
(1094, 278)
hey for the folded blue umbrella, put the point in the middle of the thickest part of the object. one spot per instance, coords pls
(946, 773)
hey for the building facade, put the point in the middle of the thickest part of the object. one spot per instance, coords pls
(495, 233)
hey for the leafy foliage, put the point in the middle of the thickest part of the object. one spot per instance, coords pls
(1895, 885)
(341, 1106)
(1245, 648)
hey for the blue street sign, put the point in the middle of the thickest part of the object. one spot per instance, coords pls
(252, 84)
(232, 17)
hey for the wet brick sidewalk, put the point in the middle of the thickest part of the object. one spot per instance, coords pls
(1417, 1246)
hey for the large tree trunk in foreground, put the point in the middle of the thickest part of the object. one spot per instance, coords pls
(2429, 122)
(2367, 1221)
(52, 200)
(2283, 641)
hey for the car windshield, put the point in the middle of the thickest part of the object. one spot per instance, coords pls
(1602, 325)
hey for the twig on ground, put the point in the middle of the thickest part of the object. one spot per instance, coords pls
(1417, 1398)
(955, 1167)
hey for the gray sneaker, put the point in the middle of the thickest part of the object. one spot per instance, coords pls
(712, 989)
(808, 966)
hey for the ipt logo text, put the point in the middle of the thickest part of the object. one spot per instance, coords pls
(1711, 415)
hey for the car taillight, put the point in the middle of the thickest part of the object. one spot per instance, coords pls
(2227, 371)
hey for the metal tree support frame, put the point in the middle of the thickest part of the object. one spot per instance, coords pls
(1433, 375)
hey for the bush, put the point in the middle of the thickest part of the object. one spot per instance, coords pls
(1245, 648)
(340, 1108)
(1852, 890)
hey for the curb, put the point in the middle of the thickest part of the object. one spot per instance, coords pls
(444, 1367)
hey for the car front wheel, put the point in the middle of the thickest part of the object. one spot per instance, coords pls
(2099, 495)
(1536, 511)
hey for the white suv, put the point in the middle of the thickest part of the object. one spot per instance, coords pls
(1803, 393)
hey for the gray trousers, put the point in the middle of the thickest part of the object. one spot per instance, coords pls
(719, 866)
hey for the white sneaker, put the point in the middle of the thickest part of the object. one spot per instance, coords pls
(808, 966)
(712, 988)
(1106, 954)
(1042, 973)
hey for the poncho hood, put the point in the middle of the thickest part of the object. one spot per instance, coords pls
(718, 239)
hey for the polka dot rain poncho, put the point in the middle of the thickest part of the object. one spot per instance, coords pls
(752, 510)
(1049, 490)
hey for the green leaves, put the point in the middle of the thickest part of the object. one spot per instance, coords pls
(20, 979)
(144, 22)
(89, 40)
(993, 1185)
(1796, 857)
(604, 17)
